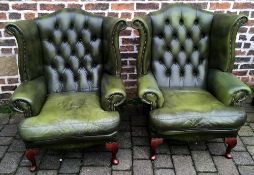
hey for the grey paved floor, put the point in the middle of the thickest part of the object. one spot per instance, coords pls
(204, 158)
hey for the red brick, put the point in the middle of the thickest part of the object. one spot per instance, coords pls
(132, 76)
(251, 30)
(5, 96)
(2, 25)
(130, 40)
(122, 6)
(15, 15)
(12, 80)
(131, 93)
(243, 30)
(124, 76)
(240, 52)
(129, 55)
(29, 15)
(130, 83)
(250, 22)
(97, 6)
(252, 15)
(51, 7)
(126, 15)
(251, 52)
(136, 14)
(3, 15)
(125, 33)
(4, 6)
(147, 6)
(2, 81)
(243, 5)
(113, 14)
(74, 6)
(128, 69)
(240, 73)
(219, 5)
(6, 50)
(8, 42)
(24, 6)
(8, 88)
(126, 48)
(124, 63)
(132, 62)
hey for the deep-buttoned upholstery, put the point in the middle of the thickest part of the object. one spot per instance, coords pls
(180, 47)
(69, 64)
(184, 73)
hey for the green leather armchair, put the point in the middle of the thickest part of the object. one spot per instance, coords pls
(184, 65)
(69, 63)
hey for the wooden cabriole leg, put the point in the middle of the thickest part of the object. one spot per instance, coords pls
(231, 142)
(154, 143)
(113, 148)
(30, 155)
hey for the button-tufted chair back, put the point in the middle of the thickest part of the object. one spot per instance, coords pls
(180, 46)
(72, 50)
(73, 47)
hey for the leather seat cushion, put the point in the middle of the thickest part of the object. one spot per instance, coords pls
(66, 115)
(193, 109)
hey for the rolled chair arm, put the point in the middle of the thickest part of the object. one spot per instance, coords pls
(30, 96)
(227, 88)
(112, 92)
(149, 92)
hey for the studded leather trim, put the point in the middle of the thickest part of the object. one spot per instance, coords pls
(233, 32)
(14, 30)
(23, 107)
(143, 28)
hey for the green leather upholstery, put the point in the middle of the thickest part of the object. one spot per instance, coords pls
(149, 92)
(226, 87)
(112, 92)
(30, 96)
(188, 110)
(184, 72)
(67, 115)
(223, 35)
(70, 70)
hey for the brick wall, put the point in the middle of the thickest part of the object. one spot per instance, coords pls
(20, 9)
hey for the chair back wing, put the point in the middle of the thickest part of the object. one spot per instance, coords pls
(72, 50)
(180, 46)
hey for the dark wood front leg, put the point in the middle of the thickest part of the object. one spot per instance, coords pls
(231, 142)
(113, 148)
(30, 155)
(154, 143)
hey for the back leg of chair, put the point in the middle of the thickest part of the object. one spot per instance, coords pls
(113, 148)
(154, 143)
(30, 155)
(231, 142)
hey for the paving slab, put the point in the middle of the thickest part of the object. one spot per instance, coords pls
(225, 166)
(10, 162)
(203, 161)
(183, 165)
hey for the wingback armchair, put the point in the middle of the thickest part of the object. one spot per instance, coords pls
(69, 63)
(184, 65)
